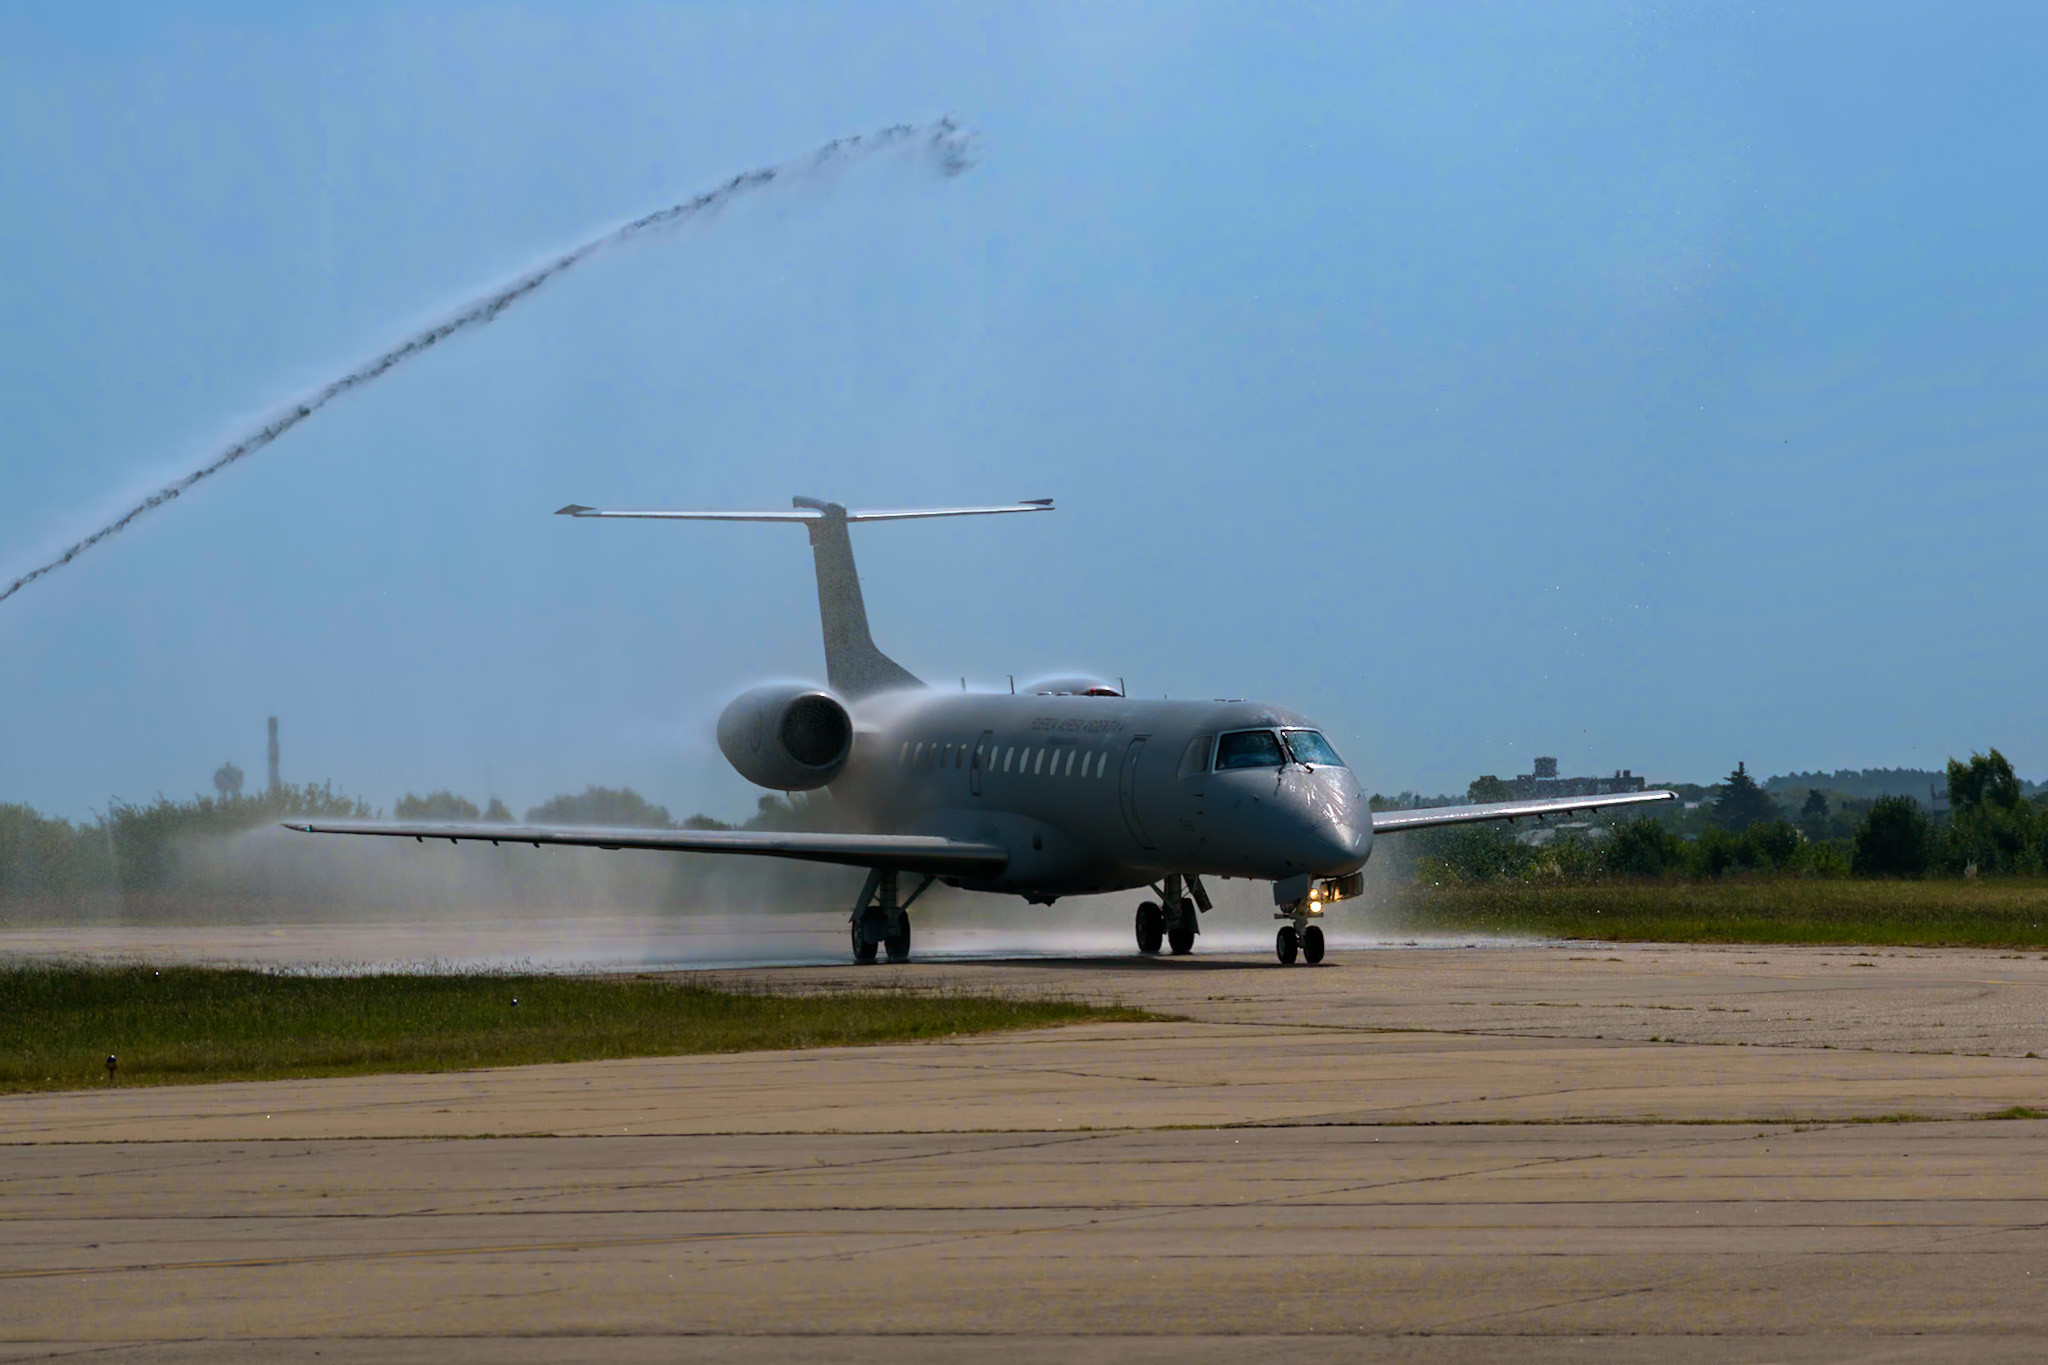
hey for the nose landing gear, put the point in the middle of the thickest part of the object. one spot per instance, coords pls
(1300, 935)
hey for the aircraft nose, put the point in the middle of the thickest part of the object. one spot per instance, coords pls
(1335, 850)
(1335, 836)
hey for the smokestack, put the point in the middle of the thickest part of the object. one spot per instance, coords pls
(275, 784)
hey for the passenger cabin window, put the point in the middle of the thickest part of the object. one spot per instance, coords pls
(1196, 759)
(1249, 749)
(1312, 749)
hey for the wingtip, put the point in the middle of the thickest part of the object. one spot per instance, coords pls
(574, 509)
(1046, 503)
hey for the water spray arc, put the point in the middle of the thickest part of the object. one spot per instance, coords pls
(949, 147)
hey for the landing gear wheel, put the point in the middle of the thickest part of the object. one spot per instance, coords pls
(863, 951)
(1285, 944)
(1151, 927)
(898, 943)
(1312, 944)
(1181, 938)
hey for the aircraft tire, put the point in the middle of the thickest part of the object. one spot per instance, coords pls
(1312, 944)
(1285, 944)
(1181, 939)
(1151, 927)
(863, 952)
(898, 944)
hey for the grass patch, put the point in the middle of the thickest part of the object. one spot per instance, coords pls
(2007, 912)
(184, 1025)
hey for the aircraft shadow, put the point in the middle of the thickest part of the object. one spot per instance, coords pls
(1135, 963)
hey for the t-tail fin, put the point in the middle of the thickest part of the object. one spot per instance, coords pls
(854, 667)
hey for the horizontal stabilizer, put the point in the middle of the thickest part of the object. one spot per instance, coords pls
(1429, 817)
(901, 852)
(853, 665)
(814, 513)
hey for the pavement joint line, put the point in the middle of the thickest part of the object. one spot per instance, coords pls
(406, 1254)
(1321, 1200)
(1043, 1140)
(1794, 1121)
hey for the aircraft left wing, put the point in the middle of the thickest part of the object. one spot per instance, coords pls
(1387, 821)
(902, 852)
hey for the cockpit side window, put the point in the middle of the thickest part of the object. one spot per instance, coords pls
(1196, 759)
(1249, 749)
(1312, 749)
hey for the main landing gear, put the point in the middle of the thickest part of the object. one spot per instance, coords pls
(1151, 927)
(878, 923)
(1173, 917)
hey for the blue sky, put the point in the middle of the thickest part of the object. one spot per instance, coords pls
(1654, 386)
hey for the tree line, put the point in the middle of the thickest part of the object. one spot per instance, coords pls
(131, 847)
(1992, 828)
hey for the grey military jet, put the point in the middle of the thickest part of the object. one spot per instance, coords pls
(1068, 789)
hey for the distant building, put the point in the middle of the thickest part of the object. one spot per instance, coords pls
(1545, 782)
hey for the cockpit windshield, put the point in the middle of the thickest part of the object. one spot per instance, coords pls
(1312, 749)
(1248, 749)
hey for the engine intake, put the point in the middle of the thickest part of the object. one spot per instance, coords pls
(787, 738)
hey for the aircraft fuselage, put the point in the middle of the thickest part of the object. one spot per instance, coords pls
(1103, 793)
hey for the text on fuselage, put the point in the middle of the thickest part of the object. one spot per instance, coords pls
(1076, 725)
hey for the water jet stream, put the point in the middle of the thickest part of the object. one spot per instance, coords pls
(949, 147)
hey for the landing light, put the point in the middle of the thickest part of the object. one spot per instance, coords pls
(1338, 888)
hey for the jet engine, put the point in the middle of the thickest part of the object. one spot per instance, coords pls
(786, 737)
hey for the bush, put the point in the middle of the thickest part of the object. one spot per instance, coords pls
(621, 806)
(1773, 844)
(440, 805)
(1896, 840)
(1647, 849)
(1469, 853)
(1826, 858)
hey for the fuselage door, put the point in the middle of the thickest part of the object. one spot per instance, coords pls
(984, 747)
(1127, 790)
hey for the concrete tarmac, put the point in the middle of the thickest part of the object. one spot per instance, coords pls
(1422, 1155)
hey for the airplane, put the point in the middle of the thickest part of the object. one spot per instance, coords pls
(1070, 788)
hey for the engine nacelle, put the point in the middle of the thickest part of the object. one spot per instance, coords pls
(788, 738)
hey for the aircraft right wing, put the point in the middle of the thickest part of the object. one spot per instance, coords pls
(903, 852)
(1388, 821)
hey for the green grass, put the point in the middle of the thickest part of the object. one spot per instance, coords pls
(184, 1025)
(1984, 913)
